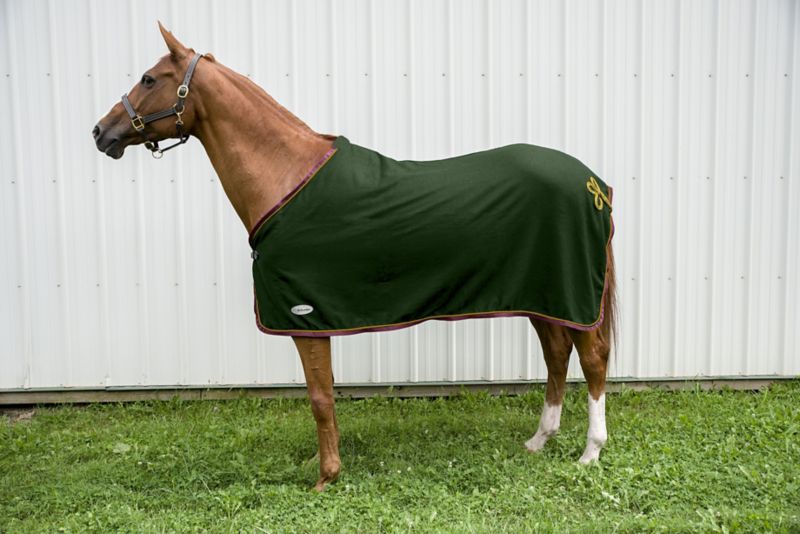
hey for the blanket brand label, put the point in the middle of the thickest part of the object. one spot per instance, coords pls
(302, 309)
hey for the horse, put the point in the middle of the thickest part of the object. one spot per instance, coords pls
(264, 155)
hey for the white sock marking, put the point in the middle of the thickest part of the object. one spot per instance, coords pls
(597, 435)
(548, 426)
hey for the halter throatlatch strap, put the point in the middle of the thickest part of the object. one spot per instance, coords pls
(138, 122)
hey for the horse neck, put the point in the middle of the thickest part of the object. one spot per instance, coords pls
(259, 149)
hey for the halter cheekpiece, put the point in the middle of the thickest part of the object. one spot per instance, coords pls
(177, 109)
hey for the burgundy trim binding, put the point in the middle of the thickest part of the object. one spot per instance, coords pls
(398, 326)
(310, 174)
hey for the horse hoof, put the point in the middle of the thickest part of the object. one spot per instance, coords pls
(589, 457)
(534, 445)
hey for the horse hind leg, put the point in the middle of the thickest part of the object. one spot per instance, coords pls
(593, 350)
(557, 346)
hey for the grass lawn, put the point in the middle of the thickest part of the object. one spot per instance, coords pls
(675, 462)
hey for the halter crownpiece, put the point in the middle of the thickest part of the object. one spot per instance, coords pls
(138, 122)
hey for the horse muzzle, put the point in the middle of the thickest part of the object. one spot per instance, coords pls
(108, 141)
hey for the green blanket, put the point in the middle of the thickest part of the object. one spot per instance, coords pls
(368, 243)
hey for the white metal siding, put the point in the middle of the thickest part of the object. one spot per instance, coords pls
(136, 272)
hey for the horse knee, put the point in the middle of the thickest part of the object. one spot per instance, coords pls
(322, 406)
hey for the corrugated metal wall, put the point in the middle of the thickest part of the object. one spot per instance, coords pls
(136, 272)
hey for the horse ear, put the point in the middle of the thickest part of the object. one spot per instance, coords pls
(176, 49)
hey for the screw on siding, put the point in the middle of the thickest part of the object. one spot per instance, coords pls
(287, 74)
(780, 177)
(443, 74)
(672, 75)
(521, 74)
(48, 74)
(635, 75)
(483, 75)
(89, 75)
(745, 177)
(709, 76)
(671, 177)
(633, 177)
(405, 74)
(746, 75)
(327, 74)
(708, 177)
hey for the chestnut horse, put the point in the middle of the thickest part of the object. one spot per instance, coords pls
(261, 151)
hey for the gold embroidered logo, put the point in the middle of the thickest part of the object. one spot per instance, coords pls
(599, 196)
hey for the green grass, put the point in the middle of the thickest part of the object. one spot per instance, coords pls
(676, 462)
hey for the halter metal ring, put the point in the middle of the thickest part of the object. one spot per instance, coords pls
(183, 90)
(157, 153)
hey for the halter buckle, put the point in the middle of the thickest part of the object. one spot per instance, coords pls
(138, 123)
(183, 91)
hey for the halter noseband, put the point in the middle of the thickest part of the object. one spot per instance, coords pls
(178, 108)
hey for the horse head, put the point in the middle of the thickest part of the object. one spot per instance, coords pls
(162, 93)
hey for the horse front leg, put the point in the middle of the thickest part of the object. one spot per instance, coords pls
(315, 353)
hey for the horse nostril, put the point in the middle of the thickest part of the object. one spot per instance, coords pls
(96, 131)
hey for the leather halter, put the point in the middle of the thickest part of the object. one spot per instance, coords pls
(178, 108)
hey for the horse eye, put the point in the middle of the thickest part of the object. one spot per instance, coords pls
(148, 81)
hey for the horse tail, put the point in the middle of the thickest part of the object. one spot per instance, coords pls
(608, 328)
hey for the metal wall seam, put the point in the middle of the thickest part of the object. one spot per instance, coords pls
(376, 339)
(489, 142)
(336, 343)
(65, 280)
(141, 241)
(678, 178)
(102, 220)
(414, 333)
(221, 304)
(791, 343)
(451, 327)
(180, 251)
(642, 189)
(23, 254)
